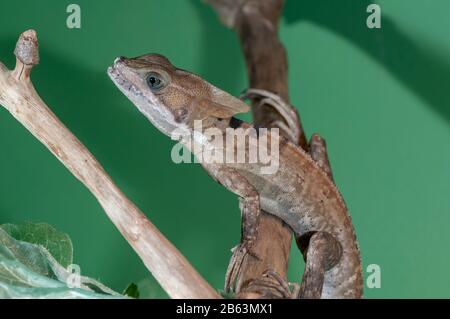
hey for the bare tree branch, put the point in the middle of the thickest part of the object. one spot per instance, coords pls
(17, 94)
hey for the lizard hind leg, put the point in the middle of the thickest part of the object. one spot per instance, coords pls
(322, 251)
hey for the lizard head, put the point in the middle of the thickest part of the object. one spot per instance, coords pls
(169, 97)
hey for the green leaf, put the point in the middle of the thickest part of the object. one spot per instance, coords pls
(29, 271)
(56, 242)
(132, 291)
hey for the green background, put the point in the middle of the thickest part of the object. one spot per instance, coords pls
(380, 97)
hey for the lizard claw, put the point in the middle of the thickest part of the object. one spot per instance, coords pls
(272, 286)
(285, 287)
(235, 265)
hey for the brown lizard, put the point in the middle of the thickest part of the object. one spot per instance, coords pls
(299, 192)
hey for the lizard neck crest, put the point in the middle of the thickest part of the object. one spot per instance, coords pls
(172, 98)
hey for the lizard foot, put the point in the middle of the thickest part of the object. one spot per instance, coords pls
(272, 286)
(235, 265)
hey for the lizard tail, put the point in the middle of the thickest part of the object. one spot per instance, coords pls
(345, 280)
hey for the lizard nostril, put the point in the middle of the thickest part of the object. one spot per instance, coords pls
(119, 59)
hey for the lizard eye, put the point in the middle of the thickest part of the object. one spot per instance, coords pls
(155, 81)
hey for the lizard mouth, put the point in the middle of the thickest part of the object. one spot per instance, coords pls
(117, 77)
(145, 102)
(113, 71)
(121, 81)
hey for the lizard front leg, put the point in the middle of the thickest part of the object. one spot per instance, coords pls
(250, 213)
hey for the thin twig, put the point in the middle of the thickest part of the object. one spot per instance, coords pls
(17, 94)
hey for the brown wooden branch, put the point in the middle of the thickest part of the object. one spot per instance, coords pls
(256, 23)
(17, 94)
